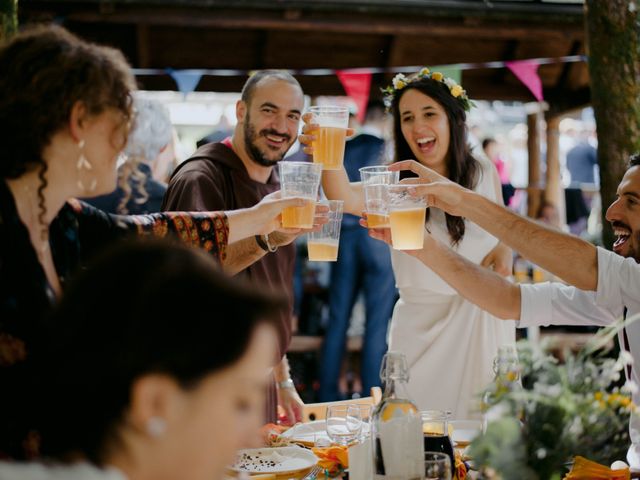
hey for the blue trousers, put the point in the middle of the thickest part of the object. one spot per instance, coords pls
(363, 264)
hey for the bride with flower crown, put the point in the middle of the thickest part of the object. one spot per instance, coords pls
(450, 344)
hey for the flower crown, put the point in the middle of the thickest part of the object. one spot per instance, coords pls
(400, 81)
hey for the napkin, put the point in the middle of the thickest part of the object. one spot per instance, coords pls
(584, 469)
(332, 459)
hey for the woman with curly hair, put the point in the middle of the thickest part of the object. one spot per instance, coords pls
(65, 114)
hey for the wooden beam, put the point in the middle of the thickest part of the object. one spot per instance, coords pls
(370, 24)
(554, 190)
(533, 146)
(144, 55)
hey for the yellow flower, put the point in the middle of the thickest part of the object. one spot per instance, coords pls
(456, 91)
(399, 81)
(598, 395)
(423, 72)
(437, 76)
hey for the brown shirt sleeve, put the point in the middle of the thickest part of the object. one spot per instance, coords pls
(192, 189)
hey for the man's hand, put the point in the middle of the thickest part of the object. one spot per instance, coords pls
(438, 191)
(291, 404)
(307, 138)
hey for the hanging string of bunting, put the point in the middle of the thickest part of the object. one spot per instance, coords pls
(357, 81)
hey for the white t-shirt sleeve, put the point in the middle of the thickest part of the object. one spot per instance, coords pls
(548, 303)
(618, 281)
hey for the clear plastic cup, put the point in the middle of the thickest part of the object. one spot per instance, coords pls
(328, 148)
(407, 216)
(299, 179)
(322, 246)
(376, 197)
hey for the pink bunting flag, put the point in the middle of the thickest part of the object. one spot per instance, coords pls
(358, 86)
(527, 73)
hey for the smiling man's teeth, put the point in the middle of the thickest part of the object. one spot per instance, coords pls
(275, 139)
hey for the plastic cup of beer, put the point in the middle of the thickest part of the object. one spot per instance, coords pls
(376, 198)
(299, 179)
(406, 217)
(322, 246)
(328, 147)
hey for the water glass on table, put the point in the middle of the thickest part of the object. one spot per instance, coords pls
(344, 423)
(437, 466)
(299, 179)
(322, 246)
(328, 147)
(407, 215)
(374, 180)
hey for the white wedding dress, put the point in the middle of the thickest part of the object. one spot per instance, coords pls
(450, 343)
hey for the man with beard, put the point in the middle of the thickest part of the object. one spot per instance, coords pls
(605, 285)
(236, 173)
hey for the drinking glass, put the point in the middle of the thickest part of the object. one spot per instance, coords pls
(344, 423)
(328, 147)
(437, 466)
(365, 415)
(407, 216)
(376, 197)
(299, 179)
(435, 430)
(322, 246)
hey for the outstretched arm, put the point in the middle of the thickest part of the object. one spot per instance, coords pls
(566, 256)
(481, 286)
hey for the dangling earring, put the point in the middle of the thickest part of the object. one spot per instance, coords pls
(156, 426)
(84, 164)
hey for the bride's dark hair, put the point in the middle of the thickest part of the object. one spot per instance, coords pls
(462, 166)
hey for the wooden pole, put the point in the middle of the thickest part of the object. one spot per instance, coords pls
(8, 19)
(554, 190)
(533, 146)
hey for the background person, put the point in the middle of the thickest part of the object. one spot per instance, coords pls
(138, 192)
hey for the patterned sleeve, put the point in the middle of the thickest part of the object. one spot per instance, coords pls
(208, 230)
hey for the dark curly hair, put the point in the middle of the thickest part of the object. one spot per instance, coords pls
(463, 168)
(44, 71)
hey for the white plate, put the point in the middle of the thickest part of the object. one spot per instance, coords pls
(464, 431)
(280, 460)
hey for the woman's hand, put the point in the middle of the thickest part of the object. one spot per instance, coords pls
(307, 138)
(284, 236)
(265, 217)
(500, 260)
(438, 191)
(384, 235)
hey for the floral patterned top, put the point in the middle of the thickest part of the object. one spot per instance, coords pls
(77, 233)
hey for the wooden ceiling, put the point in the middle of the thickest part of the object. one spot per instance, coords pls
(253, 34)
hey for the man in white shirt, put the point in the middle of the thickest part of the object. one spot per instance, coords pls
(605, 285)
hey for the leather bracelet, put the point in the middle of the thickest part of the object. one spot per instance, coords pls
(261, 243)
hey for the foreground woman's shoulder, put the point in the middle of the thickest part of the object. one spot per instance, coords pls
(41, 471)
